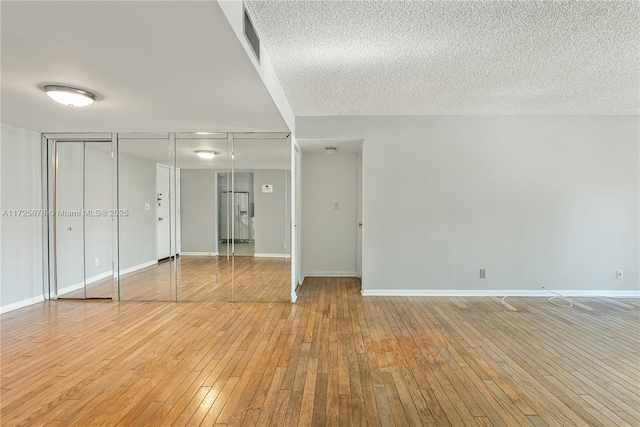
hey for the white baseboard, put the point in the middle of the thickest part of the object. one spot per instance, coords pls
(80, 285)
(104, 275)
(497, 293)
(138, 267)
(70, 288)
(330, 274)
(199, 253)
(19, 304)
(260, 255)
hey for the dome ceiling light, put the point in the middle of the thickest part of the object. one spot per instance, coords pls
(70, 96)
(206, 154)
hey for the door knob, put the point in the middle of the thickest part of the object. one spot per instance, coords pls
(159, 219)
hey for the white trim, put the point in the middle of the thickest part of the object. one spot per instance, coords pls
(19, 304)
(138, 267)
(104, 275)
(329, 274)
(70, 288)
(199, 254)
(259, 255)
(498, 293)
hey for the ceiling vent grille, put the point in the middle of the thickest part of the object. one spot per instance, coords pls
(251, 35)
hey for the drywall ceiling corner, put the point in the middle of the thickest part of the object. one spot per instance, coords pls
(234, 12)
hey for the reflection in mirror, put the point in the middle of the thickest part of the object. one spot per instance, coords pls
(145, 231)
(262, 170)
(84, 230)
(69, 234)
(205, 264)
(99, 218)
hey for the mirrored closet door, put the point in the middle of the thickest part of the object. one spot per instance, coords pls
(172, 217)
(83, 218)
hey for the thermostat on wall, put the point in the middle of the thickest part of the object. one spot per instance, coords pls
(267, 188)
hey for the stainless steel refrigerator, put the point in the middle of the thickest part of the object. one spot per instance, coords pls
(234, 210)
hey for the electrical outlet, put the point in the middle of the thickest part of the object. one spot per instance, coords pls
(483, 273)
(619, 274)
(147, 206)
(97, 261)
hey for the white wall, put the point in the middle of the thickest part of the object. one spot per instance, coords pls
(199, 212)
(329, 235)
(537, 201)
(271, 212)
(21, 248)
(137, 182)
(98, 230)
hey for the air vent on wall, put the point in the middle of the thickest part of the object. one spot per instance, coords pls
(251, 35)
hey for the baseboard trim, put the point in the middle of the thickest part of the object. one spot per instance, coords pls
(199, 254)
(330, 274)
(20, 304)
(261, 255)
(104, 275)
(70, 288)
(497, 293)
(138, 267)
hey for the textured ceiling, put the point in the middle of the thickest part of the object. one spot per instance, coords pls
(439, 58)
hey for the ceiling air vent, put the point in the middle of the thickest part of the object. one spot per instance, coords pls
(251, 35)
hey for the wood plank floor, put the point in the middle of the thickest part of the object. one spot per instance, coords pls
(335, 358)
(201, 278)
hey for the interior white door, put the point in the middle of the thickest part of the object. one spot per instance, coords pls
(163, 211)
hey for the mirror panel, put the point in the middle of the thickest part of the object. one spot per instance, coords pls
(69, 227)
(158, 222)
(99, 219)
(262, 263)
(145, 236)
(204, 266)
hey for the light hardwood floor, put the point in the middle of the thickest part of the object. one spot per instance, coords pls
(334, 358)
(202, 278)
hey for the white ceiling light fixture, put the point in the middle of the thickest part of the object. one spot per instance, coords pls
(330, 151)
(204, 133)
(70, 96)
(206, 154)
